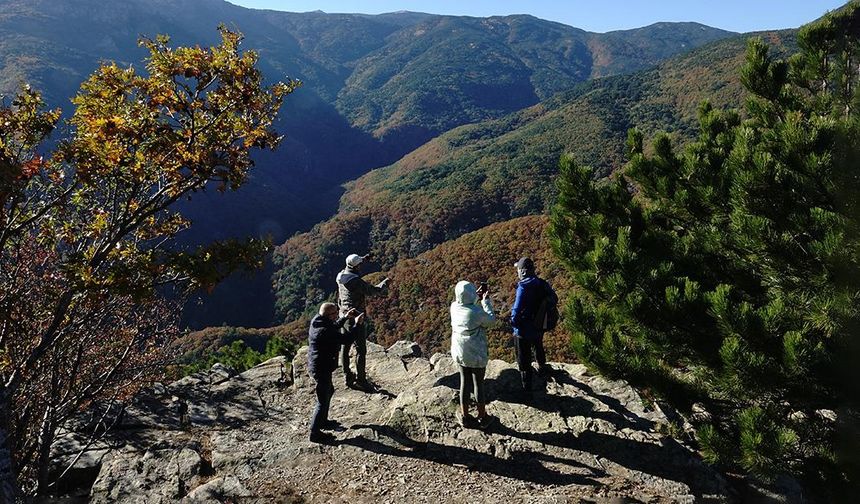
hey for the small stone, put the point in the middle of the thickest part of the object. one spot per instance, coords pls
(826, 414)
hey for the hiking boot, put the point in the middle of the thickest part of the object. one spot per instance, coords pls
(486, 421)
(333, 425)
(349, 378)
(364, 386)
(321, 437)
(467, 421)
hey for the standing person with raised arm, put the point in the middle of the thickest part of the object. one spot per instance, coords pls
(352, 293)
(325, 337)
(535, 311)
(469, 348)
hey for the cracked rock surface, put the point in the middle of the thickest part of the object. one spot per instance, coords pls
(581, 438)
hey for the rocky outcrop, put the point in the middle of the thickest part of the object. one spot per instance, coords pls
(581, 437)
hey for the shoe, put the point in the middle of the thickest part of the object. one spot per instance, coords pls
(485, 421)
(333, 425)
(320, 437)
(544, 371)
(467, 421)
(364, 386)
(349, 378)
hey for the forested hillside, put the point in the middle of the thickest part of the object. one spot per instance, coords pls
(416, 305)
(496, 170)
(373, 90)
(448, 71)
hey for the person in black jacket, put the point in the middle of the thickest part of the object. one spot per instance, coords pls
(324, 341)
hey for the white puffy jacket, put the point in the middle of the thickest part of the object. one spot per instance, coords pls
(468, 326)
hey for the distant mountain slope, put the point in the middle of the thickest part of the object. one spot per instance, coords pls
(448, 71)
(501, 169)
(342, 58)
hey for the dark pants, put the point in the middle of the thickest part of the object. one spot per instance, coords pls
(324, 390)
(526, 348)
(359, 334)
(471, 379)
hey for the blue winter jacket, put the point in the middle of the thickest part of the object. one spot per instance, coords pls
(530, 292)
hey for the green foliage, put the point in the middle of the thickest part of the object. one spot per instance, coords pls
(449, 71)
(199, 346)
(240, 357)
(727, 273)
(497, 170)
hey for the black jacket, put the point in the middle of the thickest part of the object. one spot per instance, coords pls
(324, 341)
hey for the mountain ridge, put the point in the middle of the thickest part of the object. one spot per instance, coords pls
(500, 169)
(55, 45)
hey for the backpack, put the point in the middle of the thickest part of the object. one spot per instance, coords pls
(546, 315)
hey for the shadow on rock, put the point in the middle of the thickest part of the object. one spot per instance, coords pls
(524, 466)
(611, 402)
(507, 387)
(667, 459)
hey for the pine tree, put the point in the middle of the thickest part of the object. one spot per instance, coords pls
(727, 273)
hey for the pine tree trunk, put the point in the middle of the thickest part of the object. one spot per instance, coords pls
(8, 485)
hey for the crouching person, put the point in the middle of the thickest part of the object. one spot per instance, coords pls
(324, 341)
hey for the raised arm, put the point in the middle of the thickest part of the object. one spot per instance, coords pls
(489, 316)
(361, 285)
(343, 337)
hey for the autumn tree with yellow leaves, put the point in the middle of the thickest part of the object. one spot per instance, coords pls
(91, 278)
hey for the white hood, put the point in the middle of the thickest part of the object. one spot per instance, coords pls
(465, 293)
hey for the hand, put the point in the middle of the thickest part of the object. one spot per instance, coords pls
(352, 313)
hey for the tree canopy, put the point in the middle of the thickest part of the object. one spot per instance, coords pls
(726, 273)
(91, 278)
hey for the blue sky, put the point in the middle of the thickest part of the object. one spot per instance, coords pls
(592, 15)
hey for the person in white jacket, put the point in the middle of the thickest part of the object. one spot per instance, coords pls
(469, 348)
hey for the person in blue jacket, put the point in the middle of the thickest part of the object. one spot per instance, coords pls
(325, 338)
(531, 291)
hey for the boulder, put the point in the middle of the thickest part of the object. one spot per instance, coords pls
(155, 476)
(405, 349)
(222, 489)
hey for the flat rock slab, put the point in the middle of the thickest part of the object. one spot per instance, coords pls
(580, 437)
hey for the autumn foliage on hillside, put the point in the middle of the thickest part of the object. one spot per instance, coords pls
(502, 169)
(421, 289)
